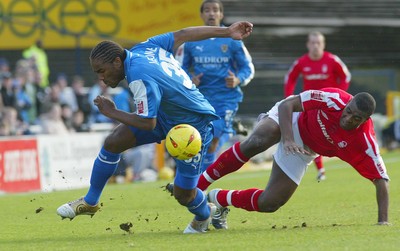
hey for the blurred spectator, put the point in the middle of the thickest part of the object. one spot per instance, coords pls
(67, 117)
(23, 101)
(10, 125)
(81, 96)
(4, 129)
(99, 88)
(1, 102)
(123, 100)
(37, 53)
(51, 95)
(52, 122)
(26, 77)
(4, 67)
(40, 92)
(67, 95)
(7, 90)
(78, 122)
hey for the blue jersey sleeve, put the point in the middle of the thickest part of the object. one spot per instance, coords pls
(165, 41)
(147, 97)
(244, 65)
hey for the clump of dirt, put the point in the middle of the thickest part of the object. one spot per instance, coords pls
(126, 227)
(40, 209)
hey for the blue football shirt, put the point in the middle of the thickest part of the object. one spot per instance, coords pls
(214, 57)
(161, 88)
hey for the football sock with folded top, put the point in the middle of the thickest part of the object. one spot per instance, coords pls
(228, 162)
(199, 206)
(319, 163)
(246, 199)
(104, 166)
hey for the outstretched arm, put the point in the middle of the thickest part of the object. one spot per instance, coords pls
(382, 197)
(238, 31)
(286, 109)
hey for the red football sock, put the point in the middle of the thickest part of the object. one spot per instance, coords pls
(228, 162)
(246, 199)
(318, 162)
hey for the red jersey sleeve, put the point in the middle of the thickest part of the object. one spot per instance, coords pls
(331, 98)
(366, 159)
(291, 78)
(341, 72)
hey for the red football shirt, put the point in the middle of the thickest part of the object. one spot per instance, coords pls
(319, 127)
(329, 71)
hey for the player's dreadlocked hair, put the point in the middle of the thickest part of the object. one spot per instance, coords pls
(107, 51)
(365, 102)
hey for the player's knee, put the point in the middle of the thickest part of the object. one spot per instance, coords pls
(117, 142)
(111, 144)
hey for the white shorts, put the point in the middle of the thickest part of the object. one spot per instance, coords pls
(293, 165)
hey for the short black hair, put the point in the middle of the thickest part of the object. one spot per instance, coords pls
(365, 102)
(221, 6)
(107, 51)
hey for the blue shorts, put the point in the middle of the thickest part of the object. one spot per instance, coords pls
(187, 171)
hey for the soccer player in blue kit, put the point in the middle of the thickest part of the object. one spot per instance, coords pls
(164, 96)
(221, 66)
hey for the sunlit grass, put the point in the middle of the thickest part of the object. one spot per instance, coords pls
(336, 214)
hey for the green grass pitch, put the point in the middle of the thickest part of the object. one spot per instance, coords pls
(337, 214)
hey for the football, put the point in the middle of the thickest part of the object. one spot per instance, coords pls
(183, 142)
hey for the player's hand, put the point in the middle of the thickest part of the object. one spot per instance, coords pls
(232, 81)
(106, 105)
(196, 79)
(291, 147)
(240, 30)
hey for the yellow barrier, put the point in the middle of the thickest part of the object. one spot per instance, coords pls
(159, 159)
(60, 23)
(393, 105)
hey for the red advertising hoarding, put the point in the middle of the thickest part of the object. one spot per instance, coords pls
(19, 166)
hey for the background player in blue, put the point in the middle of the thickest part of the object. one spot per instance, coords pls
(164, 96)
(220, 66)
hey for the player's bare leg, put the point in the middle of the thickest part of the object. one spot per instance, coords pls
(265, 134)
(278, 191)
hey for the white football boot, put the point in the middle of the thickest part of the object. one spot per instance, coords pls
(196, 227)
(75, 208)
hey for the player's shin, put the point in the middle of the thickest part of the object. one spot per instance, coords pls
(245, 199)
(228, 162)
(103, 167)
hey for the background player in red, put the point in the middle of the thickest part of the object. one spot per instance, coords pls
(329, 122)
(319, 69)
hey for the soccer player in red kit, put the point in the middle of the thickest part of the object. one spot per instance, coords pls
(328, 122)
(319, 69)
